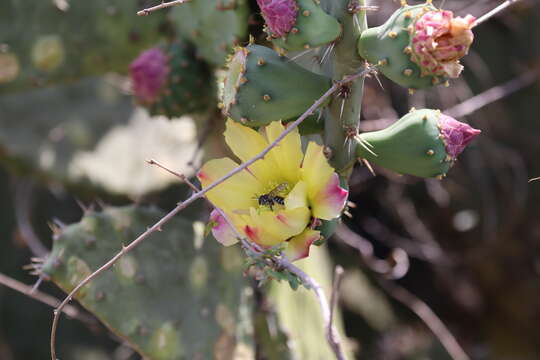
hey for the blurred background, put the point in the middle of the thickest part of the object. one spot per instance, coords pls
(432, 268)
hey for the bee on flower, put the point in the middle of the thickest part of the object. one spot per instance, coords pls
(276, 199)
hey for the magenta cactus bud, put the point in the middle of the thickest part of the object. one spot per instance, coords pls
(149, 73)
(455, 135)
(440, 40)
(279, 15)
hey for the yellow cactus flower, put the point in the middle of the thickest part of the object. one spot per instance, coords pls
(275, 199)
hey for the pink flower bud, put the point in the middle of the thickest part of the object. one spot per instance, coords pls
(455, 135)
(148, 73)
(440, 40)
(279, 15)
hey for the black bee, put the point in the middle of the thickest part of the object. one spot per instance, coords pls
(272, 198)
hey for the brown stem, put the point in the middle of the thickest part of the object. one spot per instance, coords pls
(163, 5)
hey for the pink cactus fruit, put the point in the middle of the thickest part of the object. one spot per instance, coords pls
(440, 40)
(279, 15)
(148, 74)
(455, 135)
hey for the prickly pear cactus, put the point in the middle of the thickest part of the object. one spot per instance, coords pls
(170, 81)
(260, 84)
(424, 143)
(87, 38)
(176, 296)
(214, 27)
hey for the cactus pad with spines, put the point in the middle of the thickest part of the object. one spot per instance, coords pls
(263, 86)
(176, 296)
(214, 27)
(170, 81)
(423, 143)
(389, 46)
(298, 24)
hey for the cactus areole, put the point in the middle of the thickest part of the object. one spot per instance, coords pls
(418, 46)
(423, 143)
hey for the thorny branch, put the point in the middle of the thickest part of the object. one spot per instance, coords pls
(182, 205)
(284, 264)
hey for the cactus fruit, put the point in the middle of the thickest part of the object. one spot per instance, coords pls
(418, 46)
(169, 81)
(262, 86)
(176, 296)
(298, 24)
(423, 143)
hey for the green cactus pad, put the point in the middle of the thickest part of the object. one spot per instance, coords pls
(189, 87)
(43, 46)
(176, 296)
(388, 46)
(262, 86)
(412, 145)
(313, 28)
(213, 26)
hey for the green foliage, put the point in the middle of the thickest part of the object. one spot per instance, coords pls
(176, 296)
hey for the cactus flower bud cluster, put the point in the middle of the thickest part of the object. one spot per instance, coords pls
(149, 73)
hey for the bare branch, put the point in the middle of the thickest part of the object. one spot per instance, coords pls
(494, 12)
(331, 333)
(158, 225)
(493, 94)
(163, 5)
(424, 312)
(47, 299)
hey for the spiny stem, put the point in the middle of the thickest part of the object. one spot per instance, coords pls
(163, 5)
(158, 225)
(494, 12)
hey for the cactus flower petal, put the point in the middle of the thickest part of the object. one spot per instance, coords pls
(234, 193)
(326, 196)
(245, 143)
(149, 73)
(281, 224)
(330, 200)
(221, 230)
(440, 40)
(276, 200)
(456, 135)
(298, 246)
(279, 15)
(287, 155)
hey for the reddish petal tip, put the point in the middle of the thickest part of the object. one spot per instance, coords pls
(456, 135)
